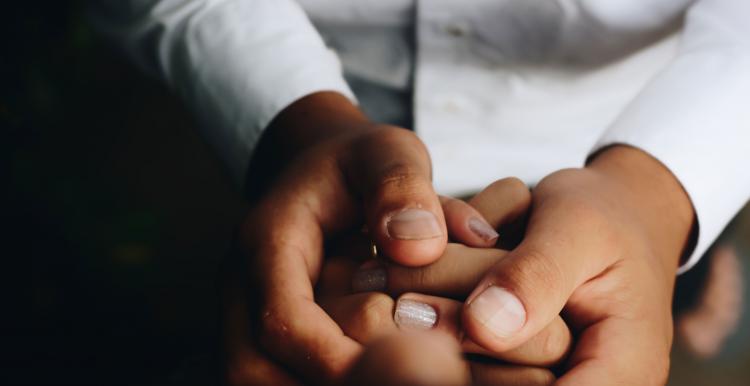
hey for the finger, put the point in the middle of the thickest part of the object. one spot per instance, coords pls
(293, 327)
(528, 288)
(369, 316)
(364, 317)
(284, 237)
(413, 360)
(417, 311)
(503, 201)
(454, 275)
(393, 175)
(466, 225)
(496, 374)
(336, 279)
(245, 365)
(548, 348)
(506, 204)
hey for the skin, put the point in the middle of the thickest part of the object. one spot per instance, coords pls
(323, 150)
(367, 316)
(602, 246)
(614, 286)
(368, 319)
(432, 359)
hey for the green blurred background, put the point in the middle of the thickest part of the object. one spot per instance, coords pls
(116, 214)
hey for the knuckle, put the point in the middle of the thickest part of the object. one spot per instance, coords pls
(538, 267)
(275, 328)
(421, 278)
(405, 279)
(451, 205)
(400, 176)
(374, 315)
(402, 179)
(512, 188)
(540, 377)
(554, 345)
(391, 136)
(399, 182)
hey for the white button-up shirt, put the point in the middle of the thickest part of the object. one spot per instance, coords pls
(497, 88)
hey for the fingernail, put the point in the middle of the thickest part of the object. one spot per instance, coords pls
(414, 315)
(498, 310)
(414, 224)
(371, 276)
(482, 229)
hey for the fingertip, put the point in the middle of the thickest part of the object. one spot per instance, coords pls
(466, 225)
(484, 234)
(412, 237)
(494, 318)
(502, 202)
(414, 254)
(414, 224)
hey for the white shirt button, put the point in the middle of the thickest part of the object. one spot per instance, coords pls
(456, 30)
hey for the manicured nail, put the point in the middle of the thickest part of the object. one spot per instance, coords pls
(414, 224)
(482, 229)
(414, 315)
(371, 276)
(498, 310)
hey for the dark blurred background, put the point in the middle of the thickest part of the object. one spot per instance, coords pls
(116, 215)
(115, 211)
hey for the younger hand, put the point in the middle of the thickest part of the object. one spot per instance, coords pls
(602, 246)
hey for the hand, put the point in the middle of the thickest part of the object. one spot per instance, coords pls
(602, 246)
(368, 318)
(412, 359)
(334, 163)
(431, 358)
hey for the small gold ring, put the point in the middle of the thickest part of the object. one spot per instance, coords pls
(373, 250)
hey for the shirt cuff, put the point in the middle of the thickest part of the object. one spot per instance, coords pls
(237, 64)
(238, 67)
(694, 119)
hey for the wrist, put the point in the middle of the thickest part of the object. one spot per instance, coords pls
(659, 204)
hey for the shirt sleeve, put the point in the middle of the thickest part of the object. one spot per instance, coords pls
(694, 116)
(236, 63)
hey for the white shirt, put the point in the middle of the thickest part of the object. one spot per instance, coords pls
(500, 87)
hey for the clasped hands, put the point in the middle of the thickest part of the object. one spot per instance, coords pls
(598, 258)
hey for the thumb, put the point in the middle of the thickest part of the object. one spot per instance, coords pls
(391, 171)
(522, 293)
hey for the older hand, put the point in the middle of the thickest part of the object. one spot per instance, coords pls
(337, 171)
(332, 171)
